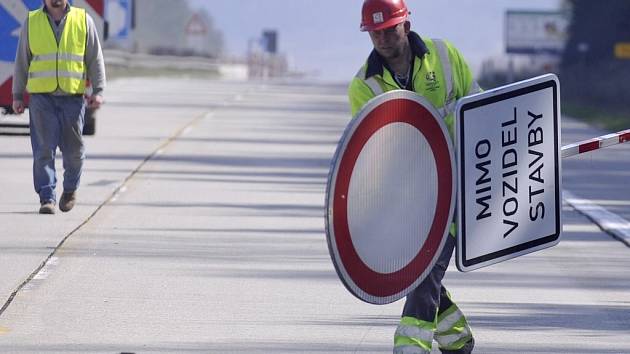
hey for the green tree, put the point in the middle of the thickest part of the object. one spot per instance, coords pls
(590, 71)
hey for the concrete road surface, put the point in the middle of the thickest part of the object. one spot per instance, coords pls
(200, 229)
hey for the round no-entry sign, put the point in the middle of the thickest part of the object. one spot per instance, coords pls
(390, 197)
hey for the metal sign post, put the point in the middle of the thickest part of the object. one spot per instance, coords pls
(508, 145)
(390, 197)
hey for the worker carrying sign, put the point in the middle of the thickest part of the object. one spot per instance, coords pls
(391, 186)
(390, 189)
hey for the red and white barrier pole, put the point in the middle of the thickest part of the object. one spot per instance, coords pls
(596, 143)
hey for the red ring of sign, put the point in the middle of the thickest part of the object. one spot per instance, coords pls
(413, 113)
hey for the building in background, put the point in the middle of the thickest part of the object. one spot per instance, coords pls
(165, 26)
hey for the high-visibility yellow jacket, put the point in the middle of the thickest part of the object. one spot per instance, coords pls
(57, 65)
(439, 73)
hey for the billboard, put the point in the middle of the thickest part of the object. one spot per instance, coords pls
(536, 32)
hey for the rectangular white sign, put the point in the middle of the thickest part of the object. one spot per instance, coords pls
(535, 32)
(509, 185)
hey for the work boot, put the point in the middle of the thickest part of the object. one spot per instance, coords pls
(466, 349)
(47, 207)
(66, 203)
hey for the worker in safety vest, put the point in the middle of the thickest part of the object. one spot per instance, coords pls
(437, 71)
(57, 51)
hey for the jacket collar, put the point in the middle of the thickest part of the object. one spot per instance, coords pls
(376, 63)
(67, 9)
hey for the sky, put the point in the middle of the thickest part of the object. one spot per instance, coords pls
(323, 35)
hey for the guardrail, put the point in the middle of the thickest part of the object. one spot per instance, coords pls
(122, 59)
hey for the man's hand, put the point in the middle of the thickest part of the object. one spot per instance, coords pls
(18, 106)
(95, 101)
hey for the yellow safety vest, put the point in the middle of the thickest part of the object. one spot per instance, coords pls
(57, 65)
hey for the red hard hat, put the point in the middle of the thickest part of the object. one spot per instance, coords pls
(379, 14)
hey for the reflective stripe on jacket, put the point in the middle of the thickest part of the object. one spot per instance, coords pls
(441, 75)
(57, 64)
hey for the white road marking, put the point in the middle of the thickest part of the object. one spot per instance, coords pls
(613, 224)
(581, 228)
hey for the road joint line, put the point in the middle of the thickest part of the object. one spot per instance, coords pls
(112, 197)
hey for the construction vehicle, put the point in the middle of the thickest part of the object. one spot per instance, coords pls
(12, 16)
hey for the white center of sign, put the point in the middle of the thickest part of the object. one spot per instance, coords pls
(392, 197)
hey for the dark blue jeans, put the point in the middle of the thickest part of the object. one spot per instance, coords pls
(56, 121)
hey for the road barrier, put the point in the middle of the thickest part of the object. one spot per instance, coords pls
(596, 143)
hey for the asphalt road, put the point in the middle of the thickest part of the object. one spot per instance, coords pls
(200, 229)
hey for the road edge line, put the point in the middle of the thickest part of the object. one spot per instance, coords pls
(111, 197)
(610, 223)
